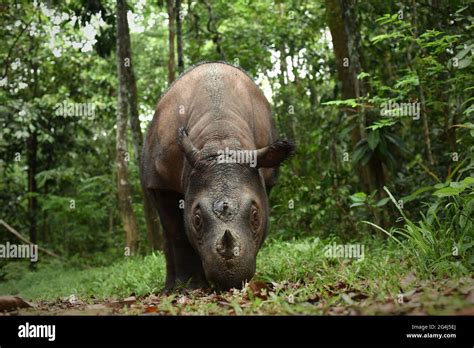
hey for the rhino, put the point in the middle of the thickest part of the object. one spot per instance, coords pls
(213, 208)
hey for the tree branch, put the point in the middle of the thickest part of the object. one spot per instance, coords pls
(19, 236)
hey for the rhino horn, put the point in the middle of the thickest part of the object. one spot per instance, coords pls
(189, 150)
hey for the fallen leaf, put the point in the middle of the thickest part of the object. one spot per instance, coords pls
(332, 289)
(347, 299)
(151, 309)
(130, 300)
(152, 299)
(259, 289)
(183, 300)
(357, 296)
(340, 285)
(120, 304)
(314, 299)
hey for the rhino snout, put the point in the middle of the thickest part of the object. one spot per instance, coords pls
(228, 246)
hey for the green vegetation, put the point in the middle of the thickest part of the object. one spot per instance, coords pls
(293, 277)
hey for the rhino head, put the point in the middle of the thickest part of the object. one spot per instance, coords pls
(226, 208)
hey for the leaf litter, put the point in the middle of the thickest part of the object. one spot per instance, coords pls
(259, 297)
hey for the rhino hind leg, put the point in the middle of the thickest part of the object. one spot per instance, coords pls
(183, 265)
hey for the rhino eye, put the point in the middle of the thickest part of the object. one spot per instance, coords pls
(254, 218)
(197, 221)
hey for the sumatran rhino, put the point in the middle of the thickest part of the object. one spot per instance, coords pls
(209, 161)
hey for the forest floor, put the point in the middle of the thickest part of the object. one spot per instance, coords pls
(293, 278)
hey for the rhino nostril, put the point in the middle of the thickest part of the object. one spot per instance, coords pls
(228, 246)
(227, 239)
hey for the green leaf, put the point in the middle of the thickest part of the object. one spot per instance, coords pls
(387, 18)
(468, 181)
(383, 37)
(373, 139)
(415, 194)
(469, 111)
(346, 102)
(385, 122)
(362, 75)
(448, 192)
(383, 202)
(359, 153)
(358, 197)
(441, 185)
(410, 80)
(358, 204)
(463, 52)
(463, 63)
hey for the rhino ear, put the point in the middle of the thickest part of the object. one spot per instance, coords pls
(190, 152)
(272, 155)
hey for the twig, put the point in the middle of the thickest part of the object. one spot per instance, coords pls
(427, 170)
(19, 236)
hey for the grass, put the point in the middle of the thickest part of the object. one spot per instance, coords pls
(293, 277)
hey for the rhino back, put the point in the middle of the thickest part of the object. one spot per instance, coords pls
(214, 101)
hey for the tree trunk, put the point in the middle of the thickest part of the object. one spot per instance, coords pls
(151, 215)
(171, 26)
(32, 151)
(124, 189)
(45, 227)
(342, 24)
(426, 127)
(32, 157)
(179, 37)
(424, 113)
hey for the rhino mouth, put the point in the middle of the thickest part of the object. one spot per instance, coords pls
(229, 275)
(227, 283)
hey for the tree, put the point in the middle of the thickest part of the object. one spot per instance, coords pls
(179, 37)
(124, 190)
(151, 215)
(170, 5)
(341, 17)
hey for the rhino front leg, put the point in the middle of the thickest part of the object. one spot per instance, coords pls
(183, 264)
